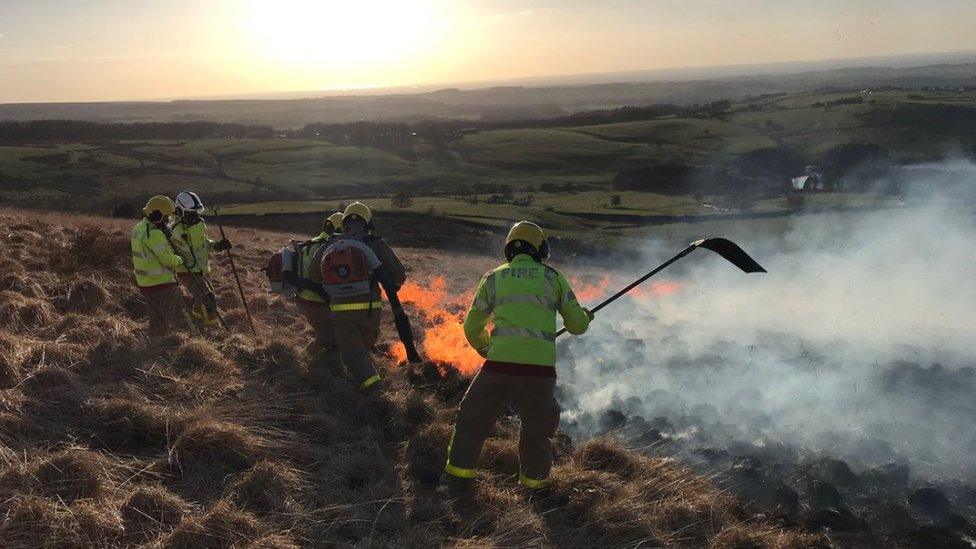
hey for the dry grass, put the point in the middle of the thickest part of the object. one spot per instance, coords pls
(230, 440)
(150, 511)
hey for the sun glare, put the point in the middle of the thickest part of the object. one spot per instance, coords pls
(334, 35)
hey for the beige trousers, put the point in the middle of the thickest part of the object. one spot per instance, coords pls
(356, 332)
(320, 319)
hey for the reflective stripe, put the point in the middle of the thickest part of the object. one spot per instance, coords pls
(140, 255)
(453, 469)
(514, 331)
(356, 306)
(158, 248)
(528, 299)
(154, 272)
(370, 382)
(552, 278)
(490, 288)
(459, 472)
(482, 304)
(530, 482)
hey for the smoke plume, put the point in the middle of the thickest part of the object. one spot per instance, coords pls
(859, 343)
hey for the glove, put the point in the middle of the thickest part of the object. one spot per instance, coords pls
(590, 314)
(222, 245)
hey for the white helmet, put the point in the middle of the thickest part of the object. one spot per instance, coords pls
(188, 202)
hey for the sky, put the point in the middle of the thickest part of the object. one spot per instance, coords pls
(112, 50)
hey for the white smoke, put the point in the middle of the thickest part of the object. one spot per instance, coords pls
(859, 343)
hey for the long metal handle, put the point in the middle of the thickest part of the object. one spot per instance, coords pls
(233, 269)
(692, 247)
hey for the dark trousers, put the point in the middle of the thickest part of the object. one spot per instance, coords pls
(489, 395)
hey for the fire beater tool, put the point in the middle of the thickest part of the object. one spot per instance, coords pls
(202, 288)
(233, 269)
(723, 247)
(400, 318)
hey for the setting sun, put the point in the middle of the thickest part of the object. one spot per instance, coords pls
(337, 35)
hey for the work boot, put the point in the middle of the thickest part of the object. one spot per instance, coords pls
(206, 318)
(536, 494)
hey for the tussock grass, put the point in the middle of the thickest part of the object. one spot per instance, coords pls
(268, 489)
(229, 440)
(150, 511)
(20, 313)
(222, 527)
(127, 424)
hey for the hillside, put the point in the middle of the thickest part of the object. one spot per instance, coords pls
(758, 142)
(231, 440)
(539, 97)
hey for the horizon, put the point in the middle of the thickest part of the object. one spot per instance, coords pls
(137, 51)
(742, 70)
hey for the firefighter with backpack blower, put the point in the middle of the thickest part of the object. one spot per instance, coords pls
(188, 234)
(353, 268)
(154, 264)
(310, 297)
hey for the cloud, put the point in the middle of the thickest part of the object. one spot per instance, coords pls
(2, 36)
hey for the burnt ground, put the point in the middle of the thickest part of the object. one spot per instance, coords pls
(852, 506)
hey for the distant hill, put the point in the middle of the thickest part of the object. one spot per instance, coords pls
(534, 99)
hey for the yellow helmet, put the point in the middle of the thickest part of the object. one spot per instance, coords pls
(360, 210)
(158, 208)
(333, 223)
(526, 232)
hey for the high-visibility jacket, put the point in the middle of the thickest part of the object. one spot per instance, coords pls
(309, 268)
(522, 298)
(153, 260)
(193, 246)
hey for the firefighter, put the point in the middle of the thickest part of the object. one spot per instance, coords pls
(521, 297)
(188, 233)
(154, 264)
(352, 269)
(311, 299)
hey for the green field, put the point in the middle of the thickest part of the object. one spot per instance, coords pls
(270, 175)
(587, 217)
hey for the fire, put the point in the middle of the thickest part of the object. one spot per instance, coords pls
(589, 294)
(443, 335)
(442, 314)
(656, 289)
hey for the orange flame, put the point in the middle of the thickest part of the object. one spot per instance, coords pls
(656, 289)
(588, 293)
(441, 316)
(443, 334)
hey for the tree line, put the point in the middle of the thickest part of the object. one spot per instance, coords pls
(384, 135)
(80, 130)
